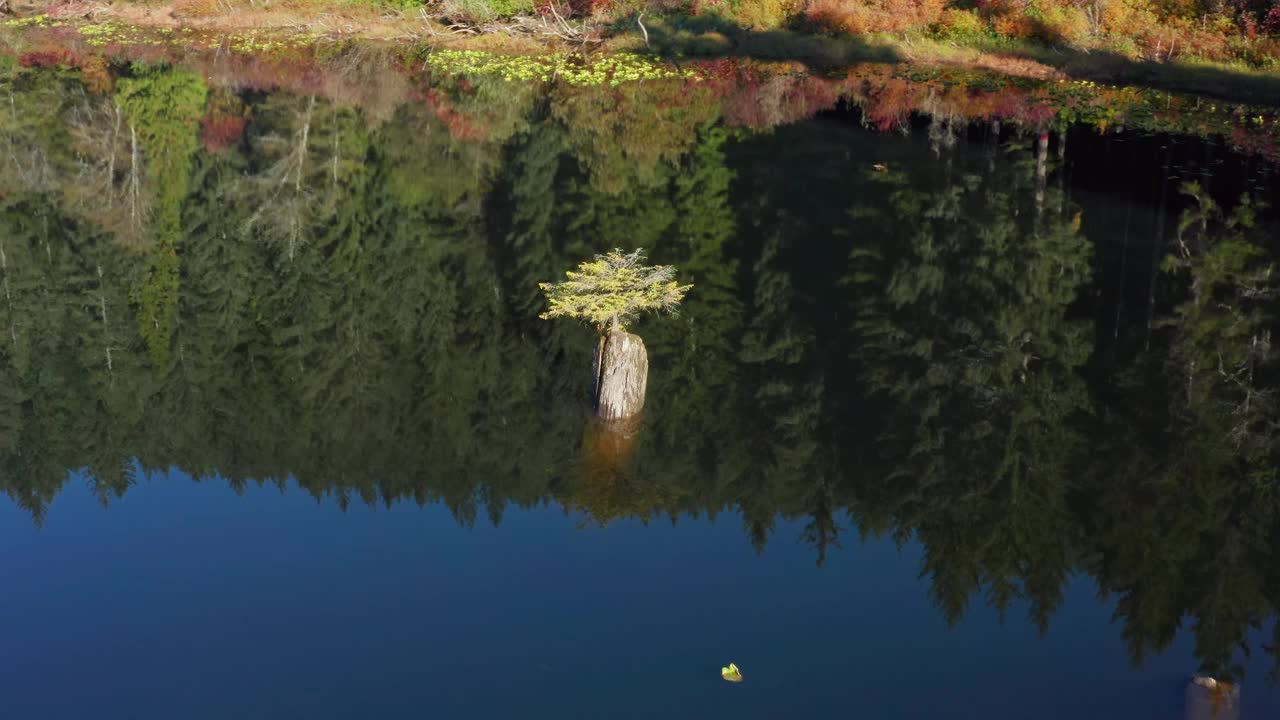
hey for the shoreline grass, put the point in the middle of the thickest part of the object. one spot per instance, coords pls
(290, 23)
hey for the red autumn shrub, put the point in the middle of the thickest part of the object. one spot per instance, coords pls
(461, 126)
(864, 16)
(224, 123)
(889, 107)
(219, 132)
(46, 59)
(779, 100)
(1271, 23)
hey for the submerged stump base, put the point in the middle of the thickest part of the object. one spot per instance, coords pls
(622, 372)
(1211, 699)
(607, 448)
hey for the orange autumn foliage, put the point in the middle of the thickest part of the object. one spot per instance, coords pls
(865, 16)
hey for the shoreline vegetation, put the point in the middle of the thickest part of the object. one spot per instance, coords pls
(463, 85)
(1229, 50)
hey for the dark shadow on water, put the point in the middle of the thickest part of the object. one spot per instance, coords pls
(1115, 69)
(713, 37)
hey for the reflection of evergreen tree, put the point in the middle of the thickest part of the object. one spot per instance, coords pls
(963, 315)
(357, 311)
(163, 107)
(693, 351)
(630, 136)
(56, 294)
(1223, 329)
(530, 245)
(34, 145)
(788, 392)
(1188, 511)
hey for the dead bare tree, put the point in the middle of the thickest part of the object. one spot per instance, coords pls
(8, 295)
(109, 183)
(286, 208)
(27, 160)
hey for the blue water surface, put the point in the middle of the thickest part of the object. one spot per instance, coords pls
(186, 600)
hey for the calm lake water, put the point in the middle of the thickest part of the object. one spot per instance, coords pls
(963, 418)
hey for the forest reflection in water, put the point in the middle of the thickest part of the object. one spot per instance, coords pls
(1037, 352)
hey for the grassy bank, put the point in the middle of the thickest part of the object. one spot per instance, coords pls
(1209, 47)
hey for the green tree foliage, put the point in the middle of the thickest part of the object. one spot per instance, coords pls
(611, 291)
(163, 107)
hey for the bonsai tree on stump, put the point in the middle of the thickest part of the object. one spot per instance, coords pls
(610, 292)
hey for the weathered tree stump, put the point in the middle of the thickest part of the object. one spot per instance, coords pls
(621, 372)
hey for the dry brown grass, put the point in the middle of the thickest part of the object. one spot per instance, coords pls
(233, 16)
(346, 21)
(1010, 65)
(188, 9)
